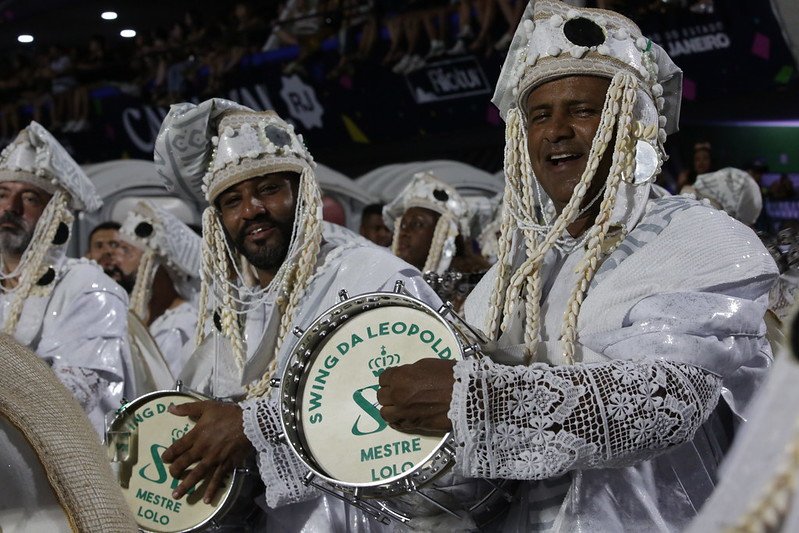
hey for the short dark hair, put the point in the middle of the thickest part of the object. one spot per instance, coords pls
(372, 209)
(105, 225)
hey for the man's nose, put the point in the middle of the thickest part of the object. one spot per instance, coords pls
(12, 204)
(558, 129)
(252, 207)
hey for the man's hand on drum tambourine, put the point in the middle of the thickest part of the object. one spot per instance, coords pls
(216, 443)
(415, 398)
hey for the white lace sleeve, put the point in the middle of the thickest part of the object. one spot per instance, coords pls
(280, 469)
(539, 421)
(85, 384)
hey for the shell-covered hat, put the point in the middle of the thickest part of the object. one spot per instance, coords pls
(734, 191)
(36, 157)
(149, 227)
(556, 40)
(204, 149)
(428, 191)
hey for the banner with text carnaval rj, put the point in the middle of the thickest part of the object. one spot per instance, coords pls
(372, 106)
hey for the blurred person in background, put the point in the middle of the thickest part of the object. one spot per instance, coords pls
(373, 227)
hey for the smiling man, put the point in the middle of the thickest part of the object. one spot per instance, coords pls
(627, 330)
(66, 310)
(269, 263)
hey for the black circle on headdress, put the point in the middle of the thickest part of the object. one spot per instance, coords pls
(277, 136)
(143, 229)
(440, 195)
(47, 278)
(583, 32)
(61, 234)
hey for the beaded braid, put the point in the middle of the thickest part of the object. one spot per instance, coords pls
(206, 272)
(300, 274)
(623, 165)
(228, 310)
(54, 214)
(507, 227)
(143, 286)
(395, 238)
(446, 228)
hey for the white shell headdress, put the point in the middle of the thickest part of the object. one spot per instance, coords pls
(201, 151)
(36, 157)
(553, 41)
(732, 190)
(166, 241)
(428, 191)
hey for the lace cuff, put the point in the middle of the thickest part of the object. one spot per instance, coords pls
(540, 421)
(281, 471)
(86, 385)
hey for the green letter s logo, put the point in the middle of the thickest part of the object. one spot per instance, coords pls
(370, 409)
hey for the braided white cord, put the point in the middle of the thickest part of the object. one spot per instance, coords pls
(395, 238)
(142, 288)
(297, 279)
(442, 232)
(54, 214)
(623, 164)
(507, 228)
(206, 272)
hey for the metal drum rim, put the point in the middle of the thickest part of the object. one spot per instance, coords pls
(287, 385)
(236, 483)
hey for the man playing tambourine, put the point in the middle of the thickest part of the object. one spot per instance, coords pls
(620, 321)
(269, 263)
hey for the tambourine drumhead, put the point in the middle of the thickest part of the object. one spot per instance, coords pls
(337, 414)
(141, 432)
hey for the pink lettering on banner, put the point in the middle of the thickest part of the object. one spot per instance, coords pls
(761, 46)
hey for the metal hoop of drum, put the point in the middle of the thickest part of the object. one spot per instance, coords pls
(331, 419)
(140, 432)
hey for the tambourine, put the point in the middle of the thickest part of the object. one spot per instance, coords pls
(331, 419)
(139, 434)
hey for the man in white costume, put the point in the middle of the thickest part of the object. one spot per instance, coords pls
(167, 282)
(617, 323)
(66, 310)
(269, 263)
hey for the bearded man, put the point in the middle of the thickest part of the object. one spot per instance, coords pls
(66, 310)
(269, 263)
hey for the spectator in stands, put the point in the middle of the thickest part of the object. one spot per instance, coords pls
(702, 164)
(373, 227)
(90, 71)
(62, 83)
(783, 188)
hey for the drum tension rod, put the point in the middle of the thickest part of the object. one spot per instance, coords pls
(298, 332)
(342, 295)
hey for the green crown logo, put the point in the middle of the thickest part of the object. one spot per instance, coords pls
(379, 364)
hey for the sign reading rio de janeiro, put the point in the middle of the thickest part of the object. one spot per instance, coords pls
(139, 436)
(340, 415)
